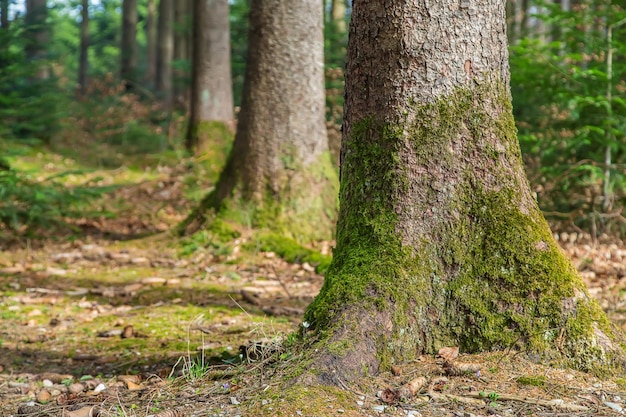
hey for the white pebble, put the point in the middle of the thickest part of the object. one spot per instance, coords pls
(100, 388)
(47, 383)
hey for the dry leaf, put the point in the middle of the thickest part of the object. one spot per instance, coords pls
(396, 370)
(449, 353)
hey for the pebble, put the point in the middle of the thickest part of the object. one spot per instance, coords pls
(76, 388)
(234, 401)
(47, 383)
(100, 388)
(43, 396)
(360, 403)
(378, 408)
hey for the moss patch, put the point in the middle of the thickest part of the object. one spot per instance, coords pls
(291, 251)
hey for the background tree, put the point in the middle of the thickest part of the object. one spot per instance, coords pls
(279, 174)
(151, 42)
(4, 14)
(37, 36)
(182, 51)
(165, 52)
(211, 88)
(440, 241)
(84, 45)
(128, 49)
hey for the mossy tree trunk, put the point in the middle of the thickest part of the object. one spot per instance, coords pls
(128, 48)
(439, 241)
(211, 84)
(279, 174)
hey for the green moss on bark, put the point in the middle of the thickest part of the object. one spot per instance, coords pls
(484, 273)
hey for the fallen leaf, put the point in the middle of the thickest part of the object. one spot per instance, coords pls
(449, 353)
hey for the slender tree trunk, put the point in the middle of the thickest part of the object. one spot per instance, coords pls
(151, 38)
(182, 37)
(211, 88)
(279, 172)
(38, 36)
(439, 241)
(338, 15)
(84, 45)
(165, 52)
(4, 14)
(128, 50)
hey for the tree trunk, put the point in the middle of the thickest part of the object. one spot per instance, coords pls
(151, 40)
(279, 174)
(38, 36)
(182, 37)
(84, 45)
(338, 15)
(211, 89)
(439, 241)
(4, 14)
(165, 52)
(128, 50)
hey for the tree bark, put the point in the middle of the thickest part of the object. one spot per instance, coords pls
(211, 88)
(165, 52)
(151, 40)
(4, 14)
(37, 35)
(128, 50)
(182, 38)
(279, 173)
(84, 45)
(439, 240)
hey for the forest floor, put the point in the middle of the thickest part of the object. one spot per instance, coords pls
(119, 318)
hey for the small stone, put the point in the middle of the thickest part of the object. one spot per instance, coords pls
(76, 388)
(340, 410)
(264, 402)
(378, 408)
(55, 392)
(47, 383)
(43, 396)
(360, 403)
(100, 388)
(234, 401)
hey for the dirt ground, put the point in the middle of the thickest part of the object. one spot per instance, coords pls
(107, 324)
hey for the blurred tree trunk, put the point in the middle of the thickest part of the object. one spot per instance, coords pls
(151, 40)
(84, 45)
(338, 15)
(182, 39)
(128, 50)
(211, 86)
(279, 173)
(165, 52)
(440, 241)
(37, 36)
(4, 14)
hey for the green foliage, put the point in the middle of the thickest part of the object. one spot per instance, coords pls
(566, 119)
(29, 104)
(29, 205)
